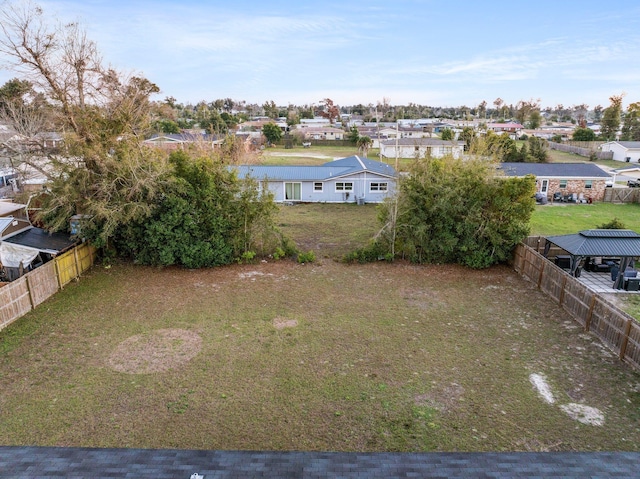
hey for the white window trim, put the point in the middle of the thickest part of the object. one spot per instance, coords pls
(321, 187)
(379, 190)
(344, 186)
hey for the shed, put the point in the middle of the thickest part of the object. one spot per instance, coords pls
(623, 244)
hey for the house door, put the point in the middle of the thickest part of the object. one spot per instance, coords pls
(544, 186)
(292, 191)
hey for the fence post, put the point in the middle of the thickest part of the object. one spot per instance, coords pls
(625, 339)
(78, 265)
(562, 289)
(541, 274)
(28, 281)
(587, 322)
(57, 267)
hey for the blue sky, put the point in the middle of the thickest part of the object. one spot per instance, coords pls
(422, 51)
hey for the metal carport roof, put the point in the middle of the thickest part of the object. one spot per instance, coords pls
(623, 244)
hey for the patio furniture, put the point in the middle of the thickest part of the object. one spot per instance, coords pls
(563, 261)
(632, 284)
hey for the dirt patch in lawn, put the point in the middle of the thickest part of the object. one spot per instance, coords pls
(282, 323)
(158, 351)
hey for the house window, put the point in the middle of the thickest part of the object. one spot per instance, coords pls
(563, 184)
(588, 184)
(292, 191)
(344, 186)
(383, 186)
(317, 187)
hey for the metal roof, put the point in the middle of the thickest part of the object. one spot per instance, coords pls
(333, 169)
(555, 170)
(620, 243)
(8, 207)
(5, 222)
(37, 238)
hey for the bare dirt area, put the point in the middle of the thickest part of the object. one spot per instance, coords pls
(156, 351)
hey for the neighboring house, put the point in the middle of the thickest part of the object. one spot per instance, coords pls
(348, 180)
(13, 219)
(421, 147)
(321, 133)
(628, 151)
(513, 129)
(564, 178)
(180, 141)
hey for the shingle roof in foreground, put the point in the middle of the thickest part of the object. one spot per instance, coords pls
(37, 462)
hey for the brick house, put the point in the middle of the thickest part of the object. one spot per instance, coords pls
(587, 179)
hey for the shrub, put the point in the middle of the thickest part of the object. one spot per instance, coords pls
(614, 224)
(308, 257)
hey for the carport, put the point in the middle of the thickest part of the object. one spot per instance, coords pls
(622, 245)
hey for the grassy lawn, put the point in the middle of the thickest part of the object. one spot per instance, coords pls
(563, 218)
(323, 356)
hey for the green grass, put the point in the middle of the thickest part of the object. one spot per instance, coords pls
(565, 218)
(379, 357)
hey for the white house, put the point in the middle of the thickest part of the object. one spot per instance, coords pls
(421, 147)
(349, 180)
(628, 151)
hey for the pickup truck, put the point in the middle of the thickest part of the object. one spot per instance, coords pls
(633, 183)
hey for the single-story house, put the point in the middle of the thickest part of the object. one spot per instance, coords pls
(564, 178)
(421, 147)
(509, 127)
(179, 141)
(321, 133)
(628, 151)
(351, 179)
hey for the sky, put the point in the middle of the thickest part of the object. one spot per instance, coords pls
(428, 52)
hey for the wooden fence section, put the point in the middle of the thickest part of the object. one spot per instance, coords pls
(14, 301)
(622, 195)
(615, 328)
(577, 150)
(22, 295)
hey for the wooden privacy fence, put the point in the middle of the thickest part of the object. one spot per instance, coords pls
(578, 150)
(615, 328)
(622, 195)
(21, 296)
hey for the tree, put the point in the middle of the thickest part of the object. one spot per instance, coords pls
(270, 109)
(105, 173)
(583, 134)
(272, 132)
(456, 211)
(353, 134)
(611, 118)
(535, 119)
(363, 144)
(330, 111)
(468, 135)
(631, 124)
(446, 134)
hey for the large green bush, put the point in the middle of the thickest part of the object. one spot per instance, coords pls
(205, 216)
(456, 211)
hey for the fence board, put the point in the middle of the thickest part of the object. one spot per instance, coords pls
(553, 281)
(608, 323)
(85, 256)
(632, 352)
(577, 300)
(42, 283)
(14, 301)
(67, 267)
